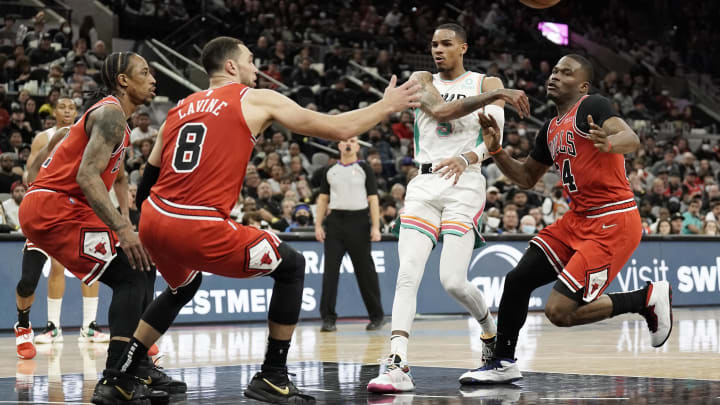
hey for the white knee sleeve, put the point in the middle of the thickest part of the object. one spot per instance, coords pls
(454, 262)
(413, 251)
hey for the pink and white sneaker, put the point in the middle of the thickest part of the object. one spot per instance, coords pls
(394, 376)
(93, 334)
(24, 342)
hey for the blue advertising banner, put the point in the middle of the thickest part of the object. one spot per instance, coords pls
(691, 267)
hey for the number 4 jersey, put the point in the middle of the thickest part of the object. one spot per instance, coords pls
(206, 149)
(592, 179)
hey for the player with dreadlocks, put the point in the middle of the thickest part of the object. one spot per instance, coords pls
(67, 213)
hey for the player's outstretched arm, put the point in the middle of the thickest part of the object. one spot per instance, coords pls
(524, 174)
(106, 126)
(40, 150)
(615, 136)
(433, 104)
(151, 172)
(268, 105)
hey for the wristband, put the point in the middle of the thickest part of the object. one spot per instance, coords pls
(499, 149)
(609, 146)
(467, 162)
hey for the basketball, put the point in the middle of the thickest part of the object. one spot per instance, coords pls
(539, 3)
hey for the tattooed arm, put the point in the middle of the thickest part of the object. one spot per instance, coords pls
(432, 103)
(106, 129)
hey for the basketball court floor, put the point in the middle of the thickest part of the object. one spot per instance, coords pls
(608, 362)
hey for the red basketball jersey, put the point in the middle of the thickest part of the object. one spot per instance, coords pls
(60, 169)
(206, 149)
(592, 179)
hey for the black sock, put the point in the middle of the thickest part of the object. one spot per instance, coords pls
(115, 350)
(24, 317)
(505, 347)
(131, 356)
(631, 301)
(276, 354)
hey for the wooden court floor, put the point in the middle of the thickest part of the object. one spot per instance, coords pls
(611, 361)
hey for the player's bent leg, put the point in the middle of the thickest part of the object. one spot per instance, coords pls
(531, 272)
(272, 384)
(32, 264)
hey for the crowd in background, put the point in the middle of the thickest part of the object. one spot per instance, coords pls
(309, 45)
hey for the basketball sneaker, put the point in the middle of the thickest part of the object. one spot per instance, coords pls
(93, 334)
(275, 387)
(658, 312)
(120, 388)
(154, 377)
(495, 371)
(394, 376)
(153, 350)
(24, 342)
(51, 334)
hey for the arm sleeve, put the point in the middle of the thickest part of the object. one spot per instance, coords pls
(597, 106)
(150, 176)
(324, 185)
(370, 180)
(540, 152)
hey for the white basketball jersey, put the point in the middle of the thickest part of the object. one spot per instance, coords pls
(436, 141)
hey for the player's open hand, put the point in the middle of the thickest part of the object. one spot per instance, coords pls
(490, 132)
(402, 97)
(454, 166)
(598, 136)
(516, 98)
(135, 251)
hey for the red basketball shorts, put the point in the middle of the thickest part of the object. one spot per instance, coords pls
(68, 230)
(589, 249)
(185, 239)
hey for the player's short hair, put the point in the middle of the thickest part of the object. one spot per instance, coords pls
(459, 31)
(217, 51)
(586, 65)
(115, 64)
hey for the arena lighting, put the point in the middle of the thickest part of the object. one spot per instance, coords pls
(555, 32)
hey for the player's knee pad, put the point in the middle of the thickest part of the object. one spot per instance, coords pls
(185, 293)
(531, 272)
(32, 264)
(292, 267)
(164, 309)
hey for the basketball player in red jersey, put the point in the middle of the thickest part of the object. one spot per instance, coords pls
(585, 249)
(197, 168)
(67, 213)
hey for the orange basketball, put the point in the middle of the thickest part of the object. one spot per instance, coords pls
(539, 3)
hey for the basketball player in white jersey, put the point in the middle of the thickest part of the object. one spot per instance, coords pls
(440, 206)
(65, 113)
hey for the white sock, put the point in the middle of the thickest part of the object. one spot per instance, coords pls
(398, 345)
(54, 308)
(454, 262)
(90, 305)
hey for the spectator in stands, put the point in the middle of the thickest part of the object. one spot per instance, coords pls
(261, 51)
(710, 228)
(23, 66)
(283, 221)
(266, 203)
(11, 205)
(491, 222)
(48, 108)
(31, 115)
(145, 147)
(536, 213)
(388, 215)
(244, 205)
(64, 35)
(8, 33)
(273, 70)
(404, 128)
(714, 213)
(692, 223)
(302, 217)
(376, 166)
(297, 171)
(19, 123)
(493, 198)
(277, 173)
(365, 95)
(663, 227)
(78, 53)
(520, 200)
(13, 143)
(7, 175)
(657, 196)
(280, 53)
(304, 192)
(80, 78)
(335, 59)
(294, 151)
(527, 225)
(252, 181)
(44, 53)
(99, 53)
(339, 96)
(304, 75)
(397, 192)
(510, 220)
(265, 167)
(87, 30)
(142, 130)
(676, 224)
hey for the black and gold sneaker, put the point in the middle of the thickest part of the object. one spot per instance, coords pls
(276, 388)
(116, 388)
(155, 378)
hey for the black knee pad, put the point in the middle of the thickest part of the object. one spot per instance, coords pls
(292, 267)
(532, 271)
(164, 309)
(32, 264)
(288, 290)
(128, 295)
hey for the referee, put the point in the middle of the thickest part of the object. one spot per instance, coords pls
(351, 188)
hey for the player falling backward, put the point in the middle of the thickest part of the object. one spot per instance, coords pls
(194, 175)
(434, 206)
(584, 250)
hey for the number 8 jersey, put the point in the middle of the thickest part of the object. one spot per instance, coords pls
(593, 180)
(206, 149)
